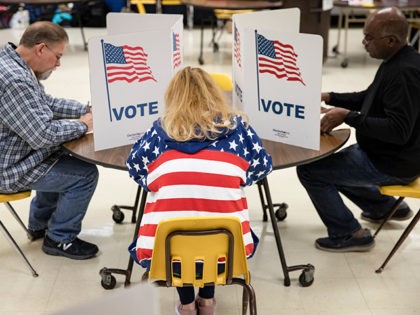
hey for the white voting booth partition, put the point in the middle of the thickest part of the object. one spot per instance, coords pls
(130, 68)
(277, 76)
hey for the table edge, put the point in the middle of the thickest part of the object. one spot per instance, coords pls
(346, 132)
(374, 6)
(321, 156)
(274, 4)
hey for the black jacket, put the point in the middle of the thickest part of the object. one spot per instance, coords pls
(386, 115)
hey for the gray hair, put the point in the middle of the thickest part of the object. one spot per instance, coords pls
(43, 32)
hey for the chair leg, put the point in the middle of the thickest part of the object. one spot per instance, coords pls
(245, 300)
(16, 246)
(252, 300)
(248, 296)
(15, 215)
(389, 215)
(402, 238)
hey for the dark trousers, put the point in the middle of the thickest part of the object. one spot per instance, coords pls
(187, 294)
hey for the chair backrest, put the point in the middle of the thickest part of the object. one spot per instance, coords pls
(208, 250)
(222, 14)
(140, 3)
(223, 81)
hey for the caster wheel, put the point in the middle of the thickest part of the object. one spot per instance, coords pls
(306, 278)
(344, 63)
(108, 282)
(117, 215)
(215, 47)
(335, 50)
(201, 61)
(281, 213)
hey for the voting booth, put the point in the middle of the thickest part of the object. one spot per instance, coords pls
(130, 68)
(276, 73)
(277, 76)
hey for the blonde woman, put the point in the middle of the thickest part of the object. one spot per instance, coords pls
(195, 161)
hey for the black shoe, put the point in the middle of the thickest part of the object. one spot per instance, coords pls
(76, 249)
(399, 215)
(36, 234)
(346, 244)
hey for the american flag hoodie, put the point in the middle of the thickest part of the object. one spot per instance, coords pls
(195, 178)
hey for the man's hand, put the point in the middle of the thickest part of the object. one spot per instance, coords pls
(333, 117)
(88, 120)
(325, 97)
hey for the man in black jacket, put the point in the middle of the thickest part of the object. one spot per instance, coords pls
(386, 117)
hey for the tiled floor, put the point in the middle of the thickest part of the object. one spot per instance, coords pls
(344, 283)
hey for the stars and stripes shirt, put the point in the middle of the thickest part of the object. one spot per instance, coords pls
(32, 123)
(195, 178)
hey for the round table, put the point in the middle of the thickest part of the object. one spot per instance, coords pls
(283, 156)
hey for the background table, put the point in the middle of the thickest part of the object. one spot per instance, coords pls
(283, 156)
(14, 4)
(223, 5)
(348, 16)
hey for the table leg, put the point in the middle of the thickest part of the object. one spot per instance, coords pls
(336, 48)
(344, 62)
(190, 16)
(82, 31)
(75, 11)
(200, 58)
(159, 6)
(276, 231)
(306, 278)
(118, 215)
(108, 281)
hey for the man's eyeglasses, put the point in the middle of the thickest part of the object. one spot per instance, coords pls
(57, 55)
(370, 38)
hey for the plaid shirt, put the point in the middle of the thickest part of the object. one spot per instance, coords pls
(33, 124)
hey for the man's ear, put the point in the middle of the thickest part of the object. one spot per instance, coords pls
(392, 41)
(39, 48)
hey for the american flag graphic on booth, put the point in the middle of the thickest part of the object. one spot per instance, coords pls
(176, 50)
(277, 59)
(126, 63)
(237, 46)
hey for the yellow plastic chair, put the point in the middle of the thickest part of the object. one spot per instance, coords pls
(140, 4)
(6, 199)
(223, 81)
(207, 240)
(224, 16)
(218, 24)
(411, 190)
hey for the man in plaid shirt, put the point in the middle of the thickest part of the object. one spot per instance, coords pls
(33, 125)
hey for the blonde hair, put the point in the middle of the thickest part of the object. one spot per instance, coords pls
(196, 107)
